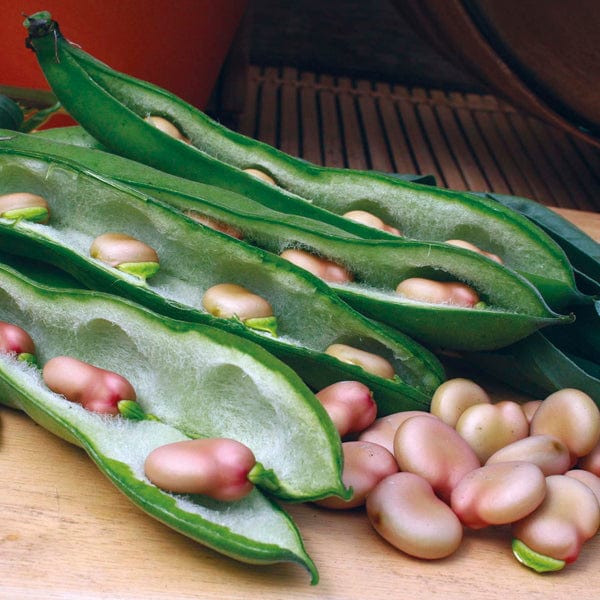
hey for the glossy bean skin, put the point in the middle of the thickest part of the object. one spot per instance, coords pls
(24, 205)
(474, 248)
(227, 300)
(365, 465)
(529, 408)
(498, 494)
(370, 220)
(568, 516)
(405, 511)
(454, 396)
(588, 478)
(121, 250)
(165, 126)
(96, 389)
(215, 467)
(438, 292)
(15, 339)
(433, 450)
(350, 406)
(591, 461)
(548, 453)
(573, 417)
(383, 430)
(489, 427)
(326, 270)
(370, 362)
(215, 224)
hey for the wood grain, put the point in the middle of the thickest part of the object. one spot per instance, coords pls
(66, 532)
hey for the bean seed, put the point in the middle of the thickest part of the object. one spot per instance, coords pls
(591, 480)
(350, 406)
(24, 205)
(383, 430)
(215, 467)
(454, 396)
(489, 427)
(573, 417)
(529, 408)
(166, 127)
(474, 248)
(326, 270)
(433, 450)
(405, 511)
(125, 253)
(370, 220)
(550, 454)
(260, 175)
(227, 300)
(438, 292)
(372, 363)
(15, 339)
(568, 516)
(365, 465)
(498, 494)
(96, 389)
(215, 224)
(591, 461)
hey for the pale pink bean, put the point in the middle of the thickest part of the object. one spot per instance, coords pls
(215, 467)
(96, 389)
(572, 416)
(433, 450)
(165, 126)
(548, 453)
(227, 300)
(498, 494)
(454, 396)
(529, 409)
(327, 270)
(383, 430)
(591, 480)
(370, 220)
(591, 461)
(117, 248)
(258, 174)
(568, 516)
(350, 406)
(405, 511)
(15, 339)
(365, 465)
(18, 204)
(489, 427)
(474, 248)
(438, 292)
(230, 230)
(372, 363)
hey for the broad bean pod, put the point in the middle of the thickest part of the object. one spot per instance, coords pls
(194, 258)
(513, 308)
(114, 107)
(196, 381)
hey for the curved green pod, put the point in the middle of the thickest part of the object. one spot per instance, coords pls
(513, 309)
(199, 382)
(112, 107)
(193, 258)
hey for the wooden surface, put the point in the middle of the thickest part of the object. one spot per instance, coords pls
(66, 532)
(467, 141)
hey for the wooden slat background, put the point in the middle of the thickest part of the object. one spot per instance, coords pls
(467, 141)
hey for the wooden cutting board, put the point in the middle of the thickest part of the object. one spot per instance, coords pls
(66, 532)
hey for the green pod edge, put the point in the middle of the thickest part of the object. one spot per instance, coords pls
(112, 204)
(120, 104)
(118, 447)
(515, 309)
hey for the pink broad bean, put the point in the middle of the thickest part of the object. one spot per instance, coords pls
(215, 467)
(591, 461)
(370, 220)
(489, 427)
(405, 511)
(350, 406)
(498, 494)
(372, 363)
(473, 248)
(591, 480)
(430, 291)
(365, 465)
(557, 529)
(454, 396)
(96, 389)
(550, 454)
(529, 409)
(433, 450)
(324, 269)
(215, 224)
(383, 430)
(15, 339)
(573, 417)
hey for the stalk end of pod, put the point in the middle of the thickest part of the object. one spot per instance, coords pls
(540, 563)
(38, 25)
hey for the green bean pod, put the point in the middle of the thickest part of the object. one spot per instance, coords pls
(113, 108)
(195, 381)
(513, 308)
(194, 258)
